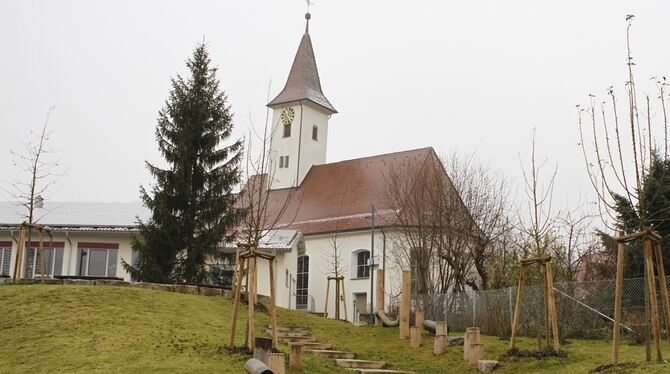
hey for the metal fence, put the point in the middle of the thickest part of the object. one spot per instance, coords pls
(585, 309)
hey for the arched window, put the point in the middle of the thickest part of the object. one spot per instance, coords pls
(315, 132)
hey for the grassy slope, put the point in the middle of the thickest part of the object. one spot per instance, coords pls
(115, 329)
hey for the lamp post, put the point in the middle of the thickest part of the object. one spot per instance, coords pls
(372, 269)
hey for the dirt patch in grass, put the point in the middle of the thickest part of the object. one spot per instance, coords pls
(614, 367)
(538, 355)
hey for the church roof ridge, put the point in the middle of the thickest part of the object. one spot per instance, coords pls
(303, 81)
(381, 155)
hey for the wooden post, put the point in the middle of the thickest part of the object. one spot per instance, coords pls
(547, 315)
(664, 288)
(415, 337)
(405, 300)
(651, 283)
(325, 308)
(19, 255)
(476, 353)
(276, 363)
(466, 345)
(418, 318)
(273, 306)
(344, 300)
(441, 338)
(236, 304)
(337, 299)
(42, 262)
(551, 302)
(251, 300)
(236, 271)
(379, 298)
(618, 294)
(517, 308)
(295, 361)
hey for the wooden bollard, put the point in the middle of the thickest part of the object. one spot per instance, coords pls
(418, 318)
(276, 362)
(471, 336)
(475, 353)
(440, 345)
(441, 328)
(415, 336)
(405, 300)
(295, 360)
(441, 339)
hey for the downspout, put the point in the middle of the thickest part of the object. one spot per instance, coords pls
(69, 256)
(297, 173)
(384, 258)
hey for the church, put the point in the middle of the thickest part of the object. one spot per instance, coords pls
(339, 210)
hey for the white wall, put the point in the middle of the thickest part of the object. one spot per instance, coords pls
(70, 249)
(312, 152)
(283, 261)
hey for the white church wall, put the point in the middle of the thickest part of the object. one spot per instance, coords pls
(284, 290)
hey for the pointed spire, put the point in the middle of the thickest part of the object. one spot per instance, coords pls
(303, 81)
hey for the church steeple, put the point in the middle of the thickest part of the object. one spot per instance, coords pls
(303, 81)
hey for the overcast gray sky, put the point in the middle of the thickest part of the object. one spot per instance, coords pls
(466, 75)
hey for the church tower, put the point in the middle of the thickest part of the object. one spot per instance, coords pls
(299, 120)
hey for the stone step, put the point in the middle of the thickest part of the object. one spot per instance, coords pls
(315, 345)
(291, 328)
(382, 371)
(330, 353)
(296, 339)
(290, 334)
(359, 364)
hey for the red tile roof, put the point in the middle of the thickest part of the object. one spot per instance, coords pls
(339, 196)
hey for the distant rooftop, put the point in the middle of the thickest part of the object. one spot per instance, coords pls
(78, 216)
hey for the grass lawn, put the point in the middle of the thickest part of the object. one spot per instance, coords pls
(82, 329)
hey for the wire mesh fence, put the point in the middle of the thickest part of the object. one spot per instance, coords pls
(585, 309)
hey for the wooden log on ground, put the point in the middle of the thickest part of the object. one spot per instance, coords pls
(405, 300)
(276, 363)
(618, 294)
(379, 297)
(415, 337)
(296, 359)
(475, 353)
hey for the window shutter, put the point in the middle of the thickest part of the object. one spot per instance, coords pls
(111, 263)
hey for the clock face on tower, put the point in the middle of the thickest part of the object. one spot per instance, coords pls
(287, 116)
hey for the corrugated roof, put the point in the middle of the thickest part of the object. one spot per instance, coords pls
(303, 81)
(78, 216)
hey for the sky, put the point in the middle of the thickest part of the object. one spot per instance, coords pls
(458, 76)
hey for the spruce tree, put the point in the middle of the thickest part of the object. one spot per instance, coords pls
(191, 200)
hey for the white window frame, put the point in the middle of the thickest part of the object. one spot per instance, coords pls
(88, 261)
(36, 269)
(2, 259)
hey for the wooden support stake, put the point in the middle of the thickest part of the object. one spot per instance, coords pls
(415, 336)
(618, 294)
(236, 270)
(19, 255)
(325, 307)
(664, 288)
(517, 308)
(405, 300)
(551, 301)
(236, 303)
(251, 302)
(42, 262)
(653, 301)
(547, 316)
(273, 306)
(379, 297)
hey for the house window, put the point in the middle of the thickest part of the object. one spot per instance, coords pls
(281, 162)
(53, 259)
(285, 161)
(315, 132)
(301, 289)
(5, 258)
(287, 130)
(363, 264)
(97, 259)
